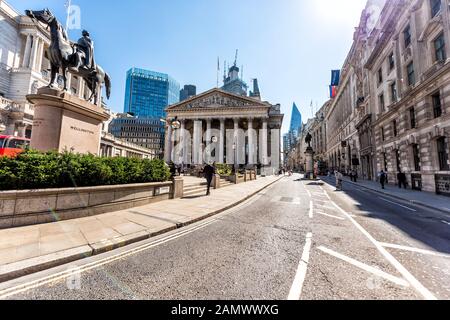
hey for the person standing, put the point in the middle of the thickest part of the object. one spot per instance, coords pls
(209, 171)
(383, 179)
(401, 177)
(339, 179)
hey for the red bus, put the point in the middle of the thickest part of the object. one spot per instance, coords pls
(11, 146)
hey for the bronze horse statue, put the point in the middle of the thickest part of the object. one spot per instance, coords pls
(62, 55)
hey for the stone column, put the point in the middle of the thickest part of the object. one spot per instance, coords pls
(26, 54)
(34, 53)
(168, 144)
(22, 128)
(236, 143)
(251, 143)
(222, 141)
(40, 55)
(11, 128)
(183, 148)
(208, 140)
(264, 143)
(197, 150)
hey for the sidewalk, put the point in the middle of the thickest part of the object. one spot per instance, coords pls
(26, 250)
(426, 199)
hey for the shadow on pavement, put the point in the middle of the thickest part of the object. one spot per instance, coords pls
(424, 225)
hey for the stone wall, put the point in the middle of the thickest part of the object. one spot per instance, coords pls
(29, 207)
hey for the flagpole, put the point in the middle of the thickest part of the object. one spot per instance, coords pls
(69, 4)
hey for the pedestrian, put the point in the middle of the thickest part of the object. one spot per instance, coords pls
(355, 176)
(173, 169)
(383, 178)
(339, 179)
(209, 172)
(402, 181)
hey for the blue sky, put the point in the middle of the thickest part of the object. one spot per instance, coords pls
(291, 46)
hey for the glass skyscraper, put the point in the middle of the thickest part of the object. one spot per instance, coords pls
(296, 121)
(148, 93)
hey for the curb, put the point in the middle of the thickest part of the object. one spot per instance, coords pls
(415, 202)
(25, 267)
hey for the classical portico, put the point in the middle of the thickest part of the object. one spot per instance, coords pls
(222, 127)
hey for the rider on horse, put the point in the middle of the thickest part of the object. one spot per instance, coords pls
(85, 53)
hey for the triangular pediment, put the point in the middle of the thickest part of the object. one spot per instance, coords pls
(217, 98)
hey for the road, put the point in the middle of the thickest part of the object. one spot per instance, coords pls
(296, 240)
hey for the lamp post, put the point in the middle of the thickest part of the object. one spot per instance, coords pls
(235, 158)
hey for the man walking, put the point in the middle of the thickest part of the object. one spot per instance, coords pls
(209, 172)
(383, 179)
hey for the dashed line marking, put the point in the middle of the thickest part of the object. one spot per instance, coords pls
(311, 209)
(297, 286)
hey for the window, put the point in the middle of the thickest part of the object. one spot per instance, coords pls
(412, 117)
(437, 107)
(382, 134)
(394, 128)
(385, 162)
(381, 102)
(17, 144)
(2, 141)
(416, 156)
(435, 7)
(411, 74)
(394, 92)
(439, 47)
(442, 154)
(391, 61)
(407, 36)
(380, 75)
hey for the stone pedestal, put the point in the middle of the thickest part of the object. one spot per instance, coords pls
(65, 122)
(178, 188)
(309, 156)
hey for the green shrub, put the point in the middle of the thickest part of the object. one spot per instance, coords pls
(36, 170)
(224, 169)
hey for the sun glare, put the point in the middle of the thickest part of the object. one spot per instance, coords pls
(338, 12)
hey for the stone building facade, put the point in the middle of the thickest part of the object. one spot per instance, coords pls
(24, 67)
(392, 109)
(412, 126)
(227, 128)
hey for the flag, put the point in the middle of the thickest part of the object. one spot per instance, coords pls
(333, 91)
(335, 77)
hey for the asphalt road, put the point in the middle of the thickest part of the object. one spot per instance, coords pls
(295, 240)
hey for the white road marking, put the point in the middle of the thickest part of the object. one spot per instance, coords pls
(400, 268)
(326, 207)
(297, 286)
(67, 273)
(446, 222)
(366, 267)
(311, 209)
(397, 204)
(309, 193)
(329, 215)
(422, 251)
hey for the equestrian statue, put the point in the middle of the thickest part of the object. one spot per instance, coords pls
(76, 58)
